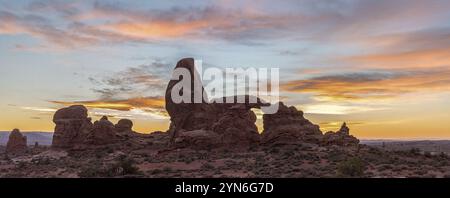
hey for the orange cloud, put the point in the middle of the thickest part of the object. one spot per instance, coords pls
(426, 58)
(372, 85)
(121, 105)
(154, 30)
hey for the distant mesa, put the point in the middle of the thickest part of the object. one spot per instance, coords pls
(17, 142)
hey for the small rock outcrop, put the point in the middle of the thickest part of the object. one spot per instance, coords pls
(124, 126)
(288, 126)
(103, 132)
(199, 124)
(340, 138)
(17, 142)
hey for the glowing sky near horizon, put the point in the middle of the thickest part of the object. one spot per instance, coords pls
(381, 66)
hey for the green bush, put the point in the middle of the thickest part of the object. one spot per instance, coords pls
(353, 167)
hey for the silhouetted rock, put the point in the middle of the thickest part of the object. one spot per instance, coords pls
(288, 126)
(235, 123)
(340, 138)
(17, 143)
(103, 132)
(180, 112)
(237, 127)
(72, 126)
(124, 126)
(74, 129)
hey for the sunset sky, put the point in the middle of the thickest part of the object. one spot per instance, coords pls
(382, 66)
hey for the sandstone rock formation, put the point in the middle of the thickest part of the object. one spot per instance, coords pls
(288, 126)
(340, 138)
(180, 112)
(202, 125)
(17, 142)
(234, 123)
(102, 133)
(72, 126)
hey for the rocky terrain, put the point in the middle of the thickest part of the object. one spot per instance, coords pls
(425, 146)
(209, 139)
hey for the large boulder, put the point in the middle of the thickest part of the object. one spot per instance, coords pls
(124, 126)
(340, 138)
(74, 129)
(72, 126)
(288, 126)
(17, 142)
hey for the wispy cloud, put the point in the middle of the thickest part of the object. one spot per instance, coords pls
(122, 105)
(371, 85)
(152, 107)
(141, 80)
(83, 24)
(39, 109)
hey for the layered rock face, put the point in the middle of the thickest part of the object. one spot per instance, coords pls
(288, 126)
(340, 138)
(17, 142)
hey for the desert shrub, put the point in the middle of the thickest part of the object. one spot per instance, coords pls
(288, 154)
(94, 170)
(420, 172)
(353, 167)
(207, 166)
(335, 156)
(274, 151)
(385, 167)
(167, 169)
(21, 165)
(109, 150)
(124, 166)
(414, 151)
(156, 171)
